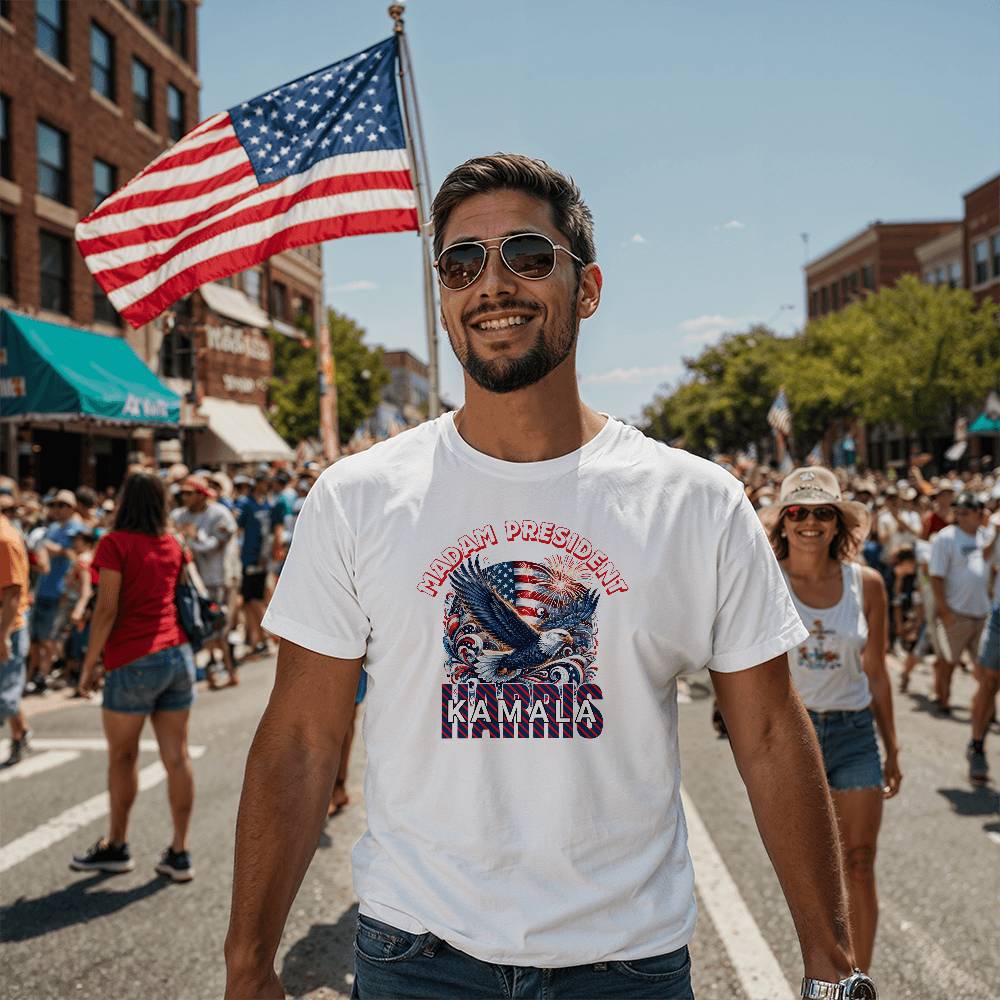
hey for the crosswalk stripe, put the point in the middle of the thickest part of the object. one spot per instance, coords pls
(81, 743)
(752, 959)
(34, 765)
(69, 821)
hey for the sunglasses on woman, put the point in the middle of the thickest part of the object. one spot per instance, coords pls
(528, 255)
(799, 512)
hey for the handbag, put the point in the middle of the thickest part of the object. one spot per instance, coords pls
(198, 614)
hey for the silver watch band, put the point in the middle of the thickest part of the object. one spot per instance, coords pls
(816, 989)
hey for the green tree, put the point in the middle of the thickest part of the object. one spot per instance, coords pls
(360, 377)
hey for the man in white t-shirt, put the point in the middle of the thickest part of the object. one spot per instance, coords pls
(525, 580)
(899, 527)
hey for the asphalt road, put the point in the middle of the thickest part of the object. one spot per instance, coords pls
(67, 934)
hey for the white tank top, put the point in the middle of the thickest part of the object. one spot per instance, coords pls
(826, 668)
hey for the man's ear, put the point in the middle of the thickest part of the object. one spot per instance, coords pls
(588, 296)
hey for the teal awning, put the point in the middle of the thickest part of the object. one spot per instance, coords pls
(985, 424)
(53, 372)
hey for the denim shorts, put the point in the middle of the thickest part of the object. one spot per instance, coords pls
(12, 673)
(392, 964)
(850, 750)
(989, 648)
(44, 615)
(160, 682)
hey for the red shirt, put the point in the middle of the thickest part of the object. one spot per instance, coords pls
(147, 612)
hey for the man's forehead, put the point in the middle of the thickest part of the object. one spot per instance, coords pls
(495, 214)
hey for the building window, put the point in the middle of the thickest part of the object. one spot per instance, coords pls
(813, 303)
(930, 278)
(142, 91)
(149, 13)
(5, 9)
(852, 284)
(995, 244)
(104, 311)
(251, 285)
(50, 28)
(304, 311)
(105, 180)
(53, 170)
(6, 254)
(175, 112)
(824, 299)
(955, 274)
(177, 27)
(5, 143)
(279, 300)
(980, 262)
(868, 277)
(102, 62)
(54, 254)
(175, 355)
(835, 296)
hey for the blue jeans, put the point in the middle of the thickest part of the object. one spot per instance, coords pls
(160, 682)
(392, 964)
(850, 750)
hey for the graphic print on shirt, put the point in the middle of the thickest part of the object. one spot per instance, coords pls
(520, 636)
(813, 653)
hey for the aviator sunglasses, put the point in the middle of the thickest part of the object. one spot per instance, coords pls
(798, 512)
(528, 255)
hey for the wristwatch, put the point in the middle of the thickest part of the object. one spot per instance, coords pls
(856, 986)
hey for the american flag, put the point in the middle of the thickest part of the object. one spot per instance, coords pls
(780, 416)
(517, 583)
(318, 158)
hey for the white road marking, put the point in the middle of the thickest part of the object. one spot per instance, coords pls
(994, 836)
(33, 765)
(751, 958)
(68, 822)
(83, 743)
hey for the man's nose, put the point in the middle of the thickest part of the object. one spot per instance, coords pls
(497, 279)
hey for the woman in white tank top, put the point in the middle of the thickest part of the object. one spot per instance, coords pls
(840, 671)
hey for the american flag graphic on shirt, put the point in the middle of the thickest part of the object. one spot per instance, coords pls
(318, 158)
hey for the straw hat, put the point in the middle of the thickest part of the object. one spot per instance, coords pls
(817, 487)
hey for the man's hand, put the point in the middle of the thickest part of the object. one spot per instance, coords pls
(250, 988)
(89, 675)
(892, 774)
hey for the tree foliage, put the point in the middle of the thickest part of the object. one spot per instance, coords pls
(360, 375)
(913, 355)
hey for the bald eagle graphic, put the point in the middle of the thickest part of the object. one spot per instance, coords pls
(529, 647)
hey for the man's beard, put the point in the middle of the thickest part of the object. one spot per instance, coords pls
(509, 374)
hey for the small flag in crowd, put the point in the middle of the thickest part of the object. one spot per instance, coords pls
(318, 158)
(815, 457)
(780, 416)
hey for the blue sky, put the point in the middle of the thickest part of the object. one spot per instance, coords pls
(706, 137)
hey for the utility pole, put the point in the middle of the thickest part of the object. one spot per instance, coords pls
(417, 147)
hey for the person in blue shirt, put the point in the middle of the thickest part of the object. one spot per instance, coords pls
(262, 531)
(58, 545)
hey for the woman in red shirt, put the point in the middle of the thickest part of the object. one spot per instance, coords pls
(149, 670)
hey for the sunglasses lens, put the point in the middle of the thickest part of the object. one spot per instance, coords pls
(460, 265)
(824, 513)
(531, 256)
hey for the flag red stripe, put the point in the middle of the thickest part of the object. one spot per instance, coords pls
(152, 199)
(112, 278)
(188, 157)
(358, 224)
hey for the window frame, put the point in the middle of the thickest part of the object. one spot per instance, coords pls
(66, 278)
(58, 30)
(63, 197)
(6, 146)
(138, 102)
(113, 169)
(984, 244)
(7, 276)
(109, 70)
(994, 252)
(103, 310)
(171, 121)
(176, 29)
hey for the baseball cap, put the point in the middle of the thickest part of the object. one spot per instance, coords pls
(968, 501)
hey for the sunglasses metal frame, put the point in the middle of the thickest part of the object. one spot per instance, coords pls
(500, 243)
(809, 509)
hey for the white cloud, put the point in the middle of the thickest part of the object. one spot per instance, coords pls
(637, 238)
(731, 224)
(630, 375)
(355, 286)
(702, 329)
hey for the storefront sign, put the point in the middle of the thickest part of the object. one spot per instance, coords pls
(240, 342)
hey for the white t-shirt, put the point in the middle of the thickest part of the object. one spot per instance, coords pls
(957, 557)
(536, 821)
(894, 537)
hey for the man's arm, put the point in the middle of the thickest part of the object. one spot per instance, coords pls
(10, 599)
(941, 608)
(779, 760)
(286, 790)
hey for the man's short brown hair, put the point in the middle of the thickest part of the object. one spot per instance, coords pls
(514, 172)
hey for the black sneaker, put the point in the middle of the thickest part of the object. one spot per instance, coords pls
(104, 857)
(176, 865)
(979, 770)
(18, 748)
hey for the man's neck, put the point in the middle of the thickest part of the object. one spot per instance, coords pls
(529, 425)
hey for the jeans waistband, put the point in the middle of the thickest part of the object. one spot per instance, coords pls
(838, 715)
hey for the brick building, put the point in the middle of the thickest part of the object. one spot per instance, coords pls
(981, 240)
(90, 92)
(872, 259)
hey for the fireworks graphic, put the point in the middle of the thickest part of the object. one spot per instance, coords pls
(561, 580)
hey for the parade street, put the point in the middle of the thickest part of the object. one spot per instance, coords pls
(94, 936)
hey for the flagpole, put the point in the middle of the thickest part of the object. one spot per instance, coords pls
(421, 175)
